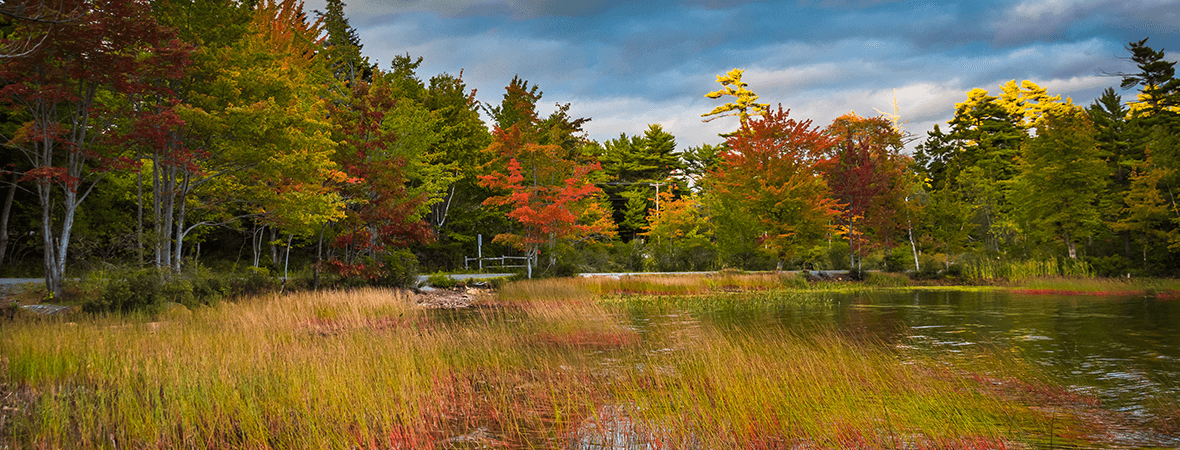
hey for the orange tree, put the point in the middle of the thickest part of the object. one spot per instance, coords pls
(547, 188)
(771, 169)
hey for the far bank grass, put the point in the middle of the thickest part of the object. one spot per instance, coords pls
(873, 281)
(545, 364)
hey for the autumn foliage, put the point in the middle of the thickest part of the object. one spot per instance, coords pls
(772, 168)
(547, 192)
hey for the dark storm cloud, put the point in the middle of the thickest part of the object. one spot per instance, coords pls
(629, 63)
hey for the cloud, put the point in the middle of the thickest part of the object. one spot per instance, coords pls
(629, 64)
(1047, 20)
(366, 11)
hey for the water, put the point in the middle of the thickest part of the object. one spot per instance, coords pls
(1123, 350)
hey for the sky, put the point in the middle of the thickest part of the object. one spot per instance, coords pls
(627, 64)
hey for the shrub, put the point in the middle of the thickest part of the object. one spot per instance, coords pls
(256, 281)
(399, 269)
(954, 271)
(499, 282)
(899, 259)
(1113, 266)
(209, 289)
(180, 291)
(9, 309)
(128, 291)
(441, 281)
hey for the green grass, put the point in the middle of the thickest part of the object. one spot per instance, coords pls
(532, 368)
(1101, 285)
(1017, 271)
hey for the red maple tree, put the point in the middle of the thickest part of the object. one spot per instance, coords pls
(865, 172)
(73, 87)
(383, 213)
(549, 195)
(771, 168)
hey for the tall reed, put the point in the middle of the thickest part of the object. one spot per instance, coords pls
(542, 365)
(1016, 271)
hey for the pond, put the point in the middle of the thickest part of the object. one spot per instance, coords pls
(1123, 350)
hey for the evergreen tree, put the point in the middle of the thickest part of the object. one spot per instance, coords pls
(343, 46)
(1062, 177)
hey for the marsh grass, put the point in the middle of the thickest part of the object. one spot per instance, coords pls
(1018, 271)
(690, 284)
(1100, 286)
(533, 368)
(788, 390)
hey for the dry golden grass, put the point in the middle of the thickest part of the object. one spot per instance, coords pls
(542, 365)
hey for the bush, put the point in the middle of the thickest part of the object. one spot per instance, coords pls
(1113, 266)
(128, 291)
(830, 256)
(256, 281)
(954, 271)
(930, 270)
(147, 290)
(442, 281)
(180, 291)
(209, 289)
(399, 269)
(562, 269)
(899, 259)
(9, 309)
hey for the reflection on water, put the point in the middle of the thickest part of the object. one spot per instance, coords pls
(612, 429)
(1125, 350)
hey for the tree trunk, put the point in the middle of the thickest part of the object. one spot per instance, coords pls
(182, 230)
(139, 210)
(256, 242)
(319, 258)
(851, 248)
(914, 248)
(52, 277)
(287, 257)
(8, 199)
(178, 236)
(274, 249)
(157, 210)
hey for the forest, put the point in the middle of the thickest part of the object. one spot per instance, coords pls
(183, 138)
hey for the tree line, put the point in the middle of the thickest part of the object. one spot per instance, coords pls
(180, 133)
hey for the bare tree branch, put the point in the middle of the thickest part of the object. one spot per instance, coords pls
(40, 12)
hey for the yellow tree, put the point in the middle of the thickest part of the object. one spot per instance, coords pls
(745, 99)
(1030, 103)
(681, 234)
(262, 120)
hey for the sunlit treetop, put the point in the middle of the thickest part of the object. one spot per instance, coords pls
(1030, 103)
(746, 102)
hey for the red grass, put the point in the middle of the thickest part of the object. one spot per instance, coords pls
(1065, 292)
(588, 339)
